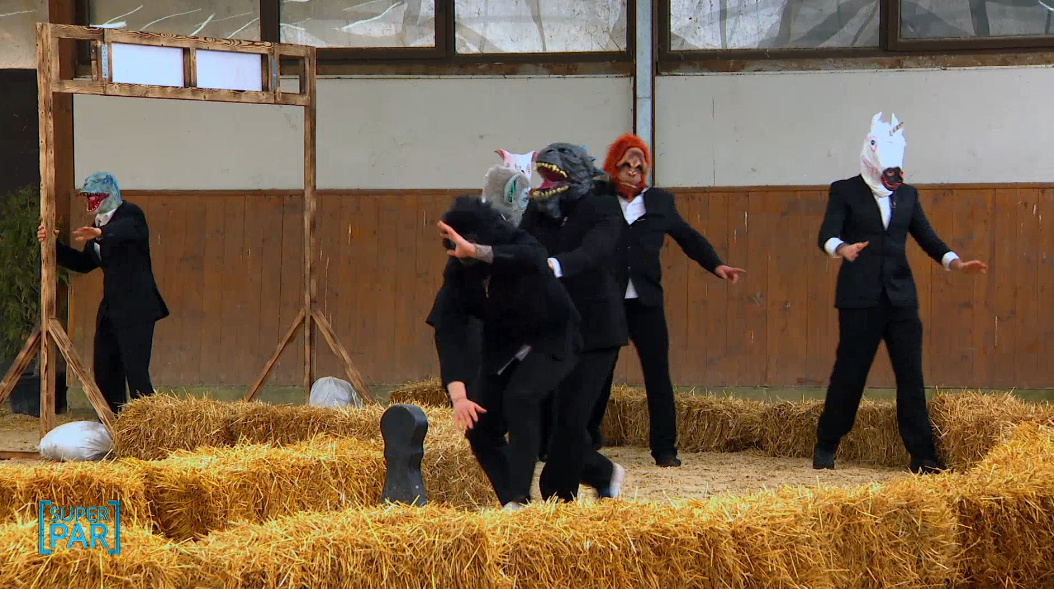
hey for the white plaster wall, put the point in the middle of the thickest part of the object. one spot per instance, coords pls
(375, 133)
(793, 128)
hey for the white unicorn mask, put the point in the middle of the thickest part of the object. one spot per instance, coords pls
(523, 162)
(882, 157)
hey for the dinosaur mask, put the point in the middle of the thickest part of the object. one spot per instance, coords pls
(567, 173)
(101, 193)
(518, 161)
(507, 190)
(882, 156)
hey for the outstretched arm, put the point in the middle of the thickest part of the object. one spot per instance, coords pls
(598, 244)
(927, 238)
(67, 257)
(131, 228)
(694, 245)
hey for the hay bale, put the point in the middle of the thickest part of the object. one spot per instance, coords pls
(868, 536)
(790, 430)
(452, 475)
(1004, 508)
(705, 423)
(423, 547)
(195, 493)
(427, 393)
(146, 560)
(968, 425)
(72, 484)
(263, 423)
(150, 428)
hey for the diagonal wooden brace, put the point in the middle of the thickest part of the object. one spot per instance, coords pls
(354, 377)
(21, 362)
(83, 373)
(274, 357)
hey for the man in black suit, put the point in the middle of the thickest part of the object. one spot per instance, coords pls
(119, 243)
(867, 221)
(650, 215)
(498, 273)
(579, 226)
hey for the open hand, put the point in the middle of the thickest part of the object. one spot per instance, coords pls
(850, 252)
(466, 413)
(971, 267)
(729, 273)
(462, 248)
(42, 235)
(86, 233)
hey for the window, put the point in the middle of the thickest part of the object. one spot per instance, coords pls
(358, 23)
(225, 19)
(540, 26)
(18, 32)
(715, 25)
(965, 19)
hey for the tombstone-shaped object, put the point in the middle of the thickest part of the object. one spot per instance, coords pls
(403, 428)
(329, 391)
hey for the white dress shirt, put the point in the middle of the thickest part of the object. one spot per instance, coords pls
(883, 206)
(101, 220)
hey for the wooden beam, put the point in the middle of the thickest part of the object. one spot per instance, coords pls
(354, 377)
(47, 71)
(15, 455)
(166, 40)
(310, 283)
(14, 372)
(102, 408)
(255, 388)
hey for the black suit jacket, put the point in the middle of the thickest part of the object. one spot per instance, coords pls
(518, 300)
(584, 242)
(130, 295)
(853, 216)
(639, 250)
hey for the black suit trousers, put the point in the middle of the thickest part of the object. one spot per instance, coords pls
(649, 334)
(122, 355)
(513, 401)
(571, 458)
(859, 333)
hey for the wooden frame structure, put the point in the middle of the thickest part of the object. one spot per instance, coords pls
(101, 49)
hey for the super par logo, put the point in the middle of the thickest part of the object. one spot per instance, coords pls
(96, 527)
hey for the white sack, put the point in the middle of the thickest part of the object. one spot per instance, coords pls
(76, 441)
(333, 392)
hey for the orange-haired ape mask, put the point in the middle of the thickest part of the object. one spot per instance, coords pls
(627, 162)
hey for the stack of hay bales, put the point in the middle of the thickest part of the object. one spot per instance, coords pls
(427, 393)
(968, 425)
(75, 483)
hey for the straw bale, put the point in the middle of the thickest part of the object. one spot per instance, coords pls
(968, 425)
(423, 547)
(1005, 506)
(149, 428)
(613, 427)
(145, 560)
(452, 475)
(790, 430)
(71, 484)
(194, 493)
(427, 393)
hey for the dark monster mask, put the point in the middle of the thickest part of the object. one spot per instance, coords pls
(568, 173)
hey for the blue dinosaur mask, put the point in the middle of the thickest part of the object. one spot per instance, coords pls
(568, 173)
(101, 193)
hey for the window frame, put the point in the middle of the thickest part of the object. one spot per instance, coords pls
(1018, 44)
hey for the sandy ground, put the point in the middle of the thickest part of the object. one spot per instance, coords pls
(701, 475)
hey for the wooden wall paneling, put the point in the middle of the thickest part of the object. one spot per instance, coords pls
(1026, 303)
(1001, 292)
(792, 353)
(945, 346)
(290, 366)
(385, 348)
(260, 346)
(430, 259)
(738, 323)
(404, 283)
(720, 365)
(214, 271)
(372, 272)
(976, 212)
(822, 316)
(327, 266)
(353, 277)
(237, 344)
(697, 308)
(758, 228)
(169, 331)
(1045, 279)
(193, 279)
(271, 260)
(675, 272)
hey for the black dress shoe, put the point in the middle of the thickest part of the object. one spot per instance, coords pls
(822, 459)
(670, 461)
(926, 466)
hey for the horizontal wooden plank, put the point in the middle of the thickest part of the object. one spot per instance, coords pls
(79, 33)
(168, 40)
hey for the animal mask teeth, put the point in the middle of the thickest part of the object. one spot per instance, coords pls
(552, 167)
(547, 193)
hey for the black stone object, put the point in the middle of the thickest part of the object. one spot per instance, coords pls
(403, 428)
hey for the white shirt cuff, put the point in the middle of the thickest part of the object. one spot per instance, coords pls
(556, 267)
(831, 245)
(947, 260)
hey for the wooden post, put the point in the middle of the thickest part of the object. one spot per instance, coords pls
(310, 284)
(47, 67)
